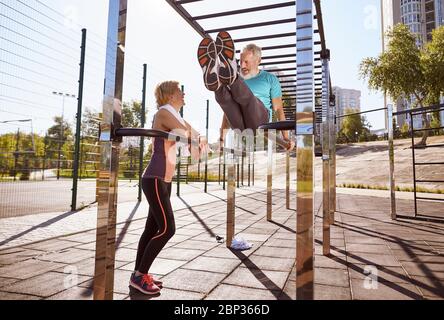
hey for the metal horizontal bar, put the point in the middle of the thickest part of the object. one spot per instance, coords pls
(272, 36)
(281, 70)
(285, 75)
(278, 62)
(292, 55)
(429, 199)
(429, 146)
(430, 181)
(283, 46)
(418, 111)
(181, 2)
(359, 113)
(246, 10)
(428, 163)
(252, 25)
(186, 16)
(427, 129)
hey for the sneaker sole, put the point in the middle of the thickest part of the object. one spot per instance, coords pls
(226, 52)
(207, 56)
(143, 291)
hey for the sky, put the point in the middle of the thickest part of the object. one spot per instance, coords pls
(40, 42)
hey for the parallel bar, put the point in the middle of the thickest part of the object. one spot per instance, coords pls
(429, 181)
(186, 16)
(429, 199)
(282, 46)
(286, 75)
(428, 163)
(287, 180)
(291, 55)
(272, 36)
(359, 113)
(427, 129)
(181, 2)
(142, 125)
(326, 154)
(391, 161)
(246, 10)
(107, 182)
(277, 62)
(429, 146)
(418, 111)
(231, 195)
(271, 144)
(252, 25)
(414, 167)
(305, 154)
(206, 153)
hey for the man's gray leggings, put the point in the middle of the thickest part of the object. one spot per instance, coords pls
(242, 109)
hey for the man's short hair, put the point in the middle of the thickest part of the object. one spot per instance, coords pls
(257, 51)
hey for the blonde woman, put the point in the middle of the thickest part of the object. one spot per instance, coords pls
(156, 184)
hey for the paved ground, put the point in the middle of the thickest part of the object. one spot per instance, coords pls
(32, 197)
(407, 255)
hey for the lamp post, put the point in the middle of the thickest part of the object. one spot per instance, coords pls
(63, 95)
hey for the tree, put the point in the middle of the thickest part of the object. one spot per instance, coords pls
(57, 137)
(354, 128)
(406, 71)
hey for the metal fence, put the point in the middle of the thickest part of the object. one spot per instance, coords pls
(50, 104)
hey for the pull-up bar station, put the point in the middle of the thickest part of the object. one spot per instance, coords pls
(305, 78)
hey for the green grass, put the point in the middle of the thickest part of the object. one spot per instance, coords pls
(399, 189)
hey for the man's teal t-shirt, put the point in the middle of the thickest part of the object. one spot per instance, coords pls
(265, 86)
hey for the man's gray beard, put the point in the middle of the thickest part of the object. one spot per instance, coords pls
(248, 76)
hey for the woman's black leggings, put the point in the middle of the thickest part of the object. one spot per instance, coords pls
(160, 226)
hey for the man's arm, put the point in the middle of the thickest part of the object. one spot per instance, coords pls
(278, 106)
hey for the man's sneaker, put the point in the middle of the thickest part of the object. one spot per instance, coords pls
(156, 282)
(208, 61)
(144, 284)
(227, 57)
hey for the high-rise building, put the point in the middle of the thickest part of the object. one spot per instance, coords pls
(346, 99)
(422, 17)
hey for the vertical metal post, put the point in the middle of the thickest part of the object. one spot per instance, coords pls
(220, 163)
(254, 155)
(287, 180)
(142, 125)
(224, 169)
(180, 157)
(326, 158)
(206, 153)
(107, 182)
(412, 133)
(331, 141)
(75, 177)
(249, 169)
(305, 151)
(333, 158)
(391, 161)
(231, 197)
(242, 167)
(198, 166)
(237, 175)
(271, 144)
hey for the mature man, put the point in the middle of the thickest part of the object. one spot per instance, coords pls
(247, 99)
